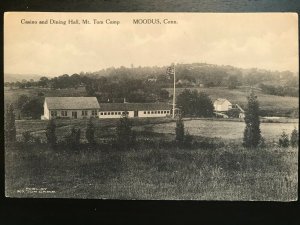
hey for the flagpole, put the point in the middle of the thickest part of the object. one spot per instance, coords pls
(174, 95)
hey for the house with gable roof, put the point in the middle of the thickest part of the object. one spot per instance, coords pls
(222, 105)
(70, 107)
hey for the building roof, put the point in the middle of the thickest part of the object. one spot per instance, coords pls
(134, 106)
(72, 102)
(220, 101)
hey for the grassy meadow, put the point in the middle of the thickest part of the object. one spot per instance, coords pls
(227, 172)
(156, 168)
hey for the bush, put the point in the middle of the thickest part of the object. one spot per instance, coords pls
(187, 143)
(294, 138)
(284, 140)
(179, 131)
(26, 136)
(90, 132)
(73, 140)
(50, 133)
(10, 127)
(125, 137)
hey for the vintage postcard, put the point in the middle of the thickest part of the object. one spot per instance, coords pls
(156, 106)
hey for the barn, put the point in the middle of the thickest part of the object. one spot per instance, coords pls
(70, 107)
(142, 110)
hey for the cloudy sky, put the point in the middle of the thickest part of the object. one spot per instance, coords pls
(261, 40)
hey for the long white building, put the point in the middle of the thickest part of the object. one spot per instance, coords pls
(87, 107)
(142, 110)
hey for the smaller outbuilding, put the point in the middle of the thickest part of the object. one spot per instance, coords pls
(222, 105)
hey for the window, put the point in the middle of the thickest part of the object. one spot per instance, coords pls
(155, 112)
(101, 113)
(165, 111)
(144, 112)
(168, 112)
(127, 113)
(108, 113)
(64, 113)
(151, 112)
(84, 113)
(119, 113)
(148, 112)
(53, 113)
(105, 113)
(158, 112)
(94, 112)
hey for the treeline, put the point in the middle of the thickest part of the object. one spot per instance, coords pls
(280, 90)
(144, 84)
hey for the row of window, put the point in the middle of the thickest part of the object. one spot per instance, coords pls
(113, 113)
(157, 112)
(74, 113)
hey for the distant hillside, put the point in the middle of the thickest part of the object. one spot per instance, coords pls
(9, 77)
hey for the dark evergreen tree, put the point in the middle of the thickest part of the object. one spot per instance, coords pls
(294, 138)
(125, 136)
(50, 133)
(90, 132)
(252, 133)
(179, 131)
(10, 126)
(284, 140)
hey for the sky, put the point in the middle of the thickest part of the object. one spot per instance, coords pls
(246, 40)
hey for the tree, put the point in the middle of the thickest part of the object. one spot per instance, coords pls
(90, 132)
(179, 131)
(33, 108)
(294, 138)
(252, 133)
(195, 104)
(284, 140)
(10, 126)
(125, 136)
(50, 133)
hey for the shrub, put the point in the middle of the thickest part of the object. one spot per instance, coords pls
(294, 138)
(50, 133)
(10, 127)
(73, 140)
(90, 132)
(284, 140)
(179, 131)
(188, 140)
(26, 136)
(125, 137)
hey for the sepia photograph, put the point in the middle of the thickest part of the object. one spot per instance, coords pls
(151, 106)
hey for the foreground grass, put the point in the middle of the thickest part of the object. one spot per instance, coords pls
(223, 173)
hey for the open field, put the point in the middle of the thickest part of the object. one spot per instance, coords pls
(228, 130)
(275, 104)
(226, 173)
